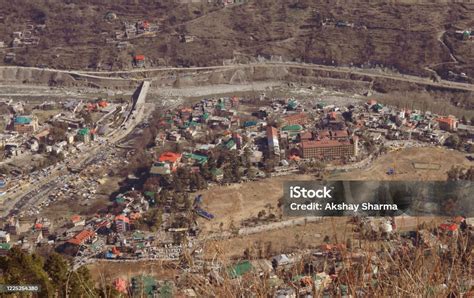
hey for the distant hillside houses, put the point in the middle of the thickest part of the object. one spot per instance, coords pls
(224, 2)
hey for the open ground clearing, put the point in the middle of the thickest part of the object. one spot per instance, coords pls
(403, 162)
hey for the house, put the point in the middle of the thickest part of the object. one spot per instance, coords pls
(139, 61)
(239, 269)
(281, 260)
(171, 158)
(4, 249)
(196, 158)
(25, 124)
(4, 237)
(160, 168)
(77, 220)
(449, 123)
(122, 223)
(83, 135)
(42, 135)
(9, 57)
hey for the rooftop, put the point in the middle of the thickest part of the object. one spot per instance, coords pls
(170, 157)
(323, 143)
(81, 237)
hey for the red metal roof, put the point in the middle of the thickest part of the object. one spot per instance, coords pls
(448, 227)
(170, 157)
(81, 237)
(76, 218)
(139, 58)
(447, 120)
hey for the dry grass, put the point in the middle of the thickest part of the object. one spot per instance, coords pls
(403, 160)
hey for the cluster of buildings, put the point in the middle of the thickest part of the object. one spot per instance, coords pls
(287, 130)
(114, 236)
(131, 30)
(323, 271)
(466, 34)
(27, 37)
(222, 2)
(406, 124)
(24, 133)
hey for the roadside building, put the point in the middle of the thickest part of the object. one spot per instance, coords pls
(449, 123)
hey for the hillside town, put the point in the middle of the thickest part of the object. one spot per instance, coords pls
(216, 141)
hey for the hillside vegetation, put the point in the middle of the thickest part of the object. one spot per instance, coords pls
(410, 38)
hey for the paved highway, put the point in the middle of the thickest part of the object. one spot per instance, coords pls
(116, 75)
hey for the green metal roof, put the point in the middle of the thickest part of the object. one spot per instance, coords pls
(83, 131)
(239, 269)
(5, 246)
(22, 120)
(294, 127)
(292, 104)
(202, 159)
(230, 144)
(250, 123)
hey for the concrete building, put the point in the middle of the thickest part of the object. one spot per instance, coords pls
(449, 123)
(25, 124)
(83, 237)
(12, 226)
(122, 223)
(272, 140)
